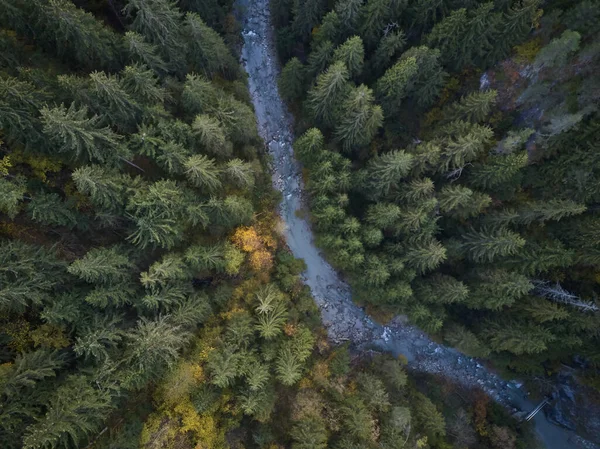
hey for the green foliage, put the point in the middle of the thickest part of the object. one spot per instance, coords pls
(72, 132)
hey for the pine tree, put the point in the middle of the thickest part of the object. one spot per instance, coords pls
(101, 266)
(19, 105)
(396, 84)
(75, 410)
(356, 419)
(385, 172)
(319, 59)
(441, 289)
(428, 416)
(11, 196)
(475, 107)
(389, 45)
(553, 210)
(29, 369)
(375, 271)
(288, 367)
(543, 311)
(373, 393)
(309, 433)
(465, 148)
(360, 118)
(239, 173)
(453, 197)
(112, 102)
(105, 188)
(501, 169)
(307, 15)
(349, 13)
(141, 83)
(383, 215)
(326, 97)
(448, 34)
(50, 210)
(352, 54)
(159, 21)
(465, 341)
(517, 337)
(75, 35)
(329, 30)
(376, 15)
(429, 78)
(199, 96)
(211, 135)
(207, 51)
(425, 257)
(144, 52)
(202, 172)
(292, 80)
(487, 245)
(270, 321)
(83, 138)
(540, 257)
(94, 342)
(496, 288)
(152, 346)
(417, 190)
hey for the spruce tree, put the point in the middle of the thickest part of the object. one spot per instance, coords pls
(82, 137)
(359, 118)
(487, 245)
(326, 97)
(352, 54)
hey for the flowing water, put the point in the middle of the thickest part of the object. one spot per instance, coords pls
(343, 319)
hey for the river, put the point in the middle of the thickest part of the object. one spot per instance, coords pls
(343, 319)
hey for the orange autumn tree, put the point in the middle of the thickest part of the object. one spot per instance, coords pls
(257, 244)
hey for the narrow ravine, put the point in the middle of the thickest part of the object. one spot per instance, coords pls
(343, 319)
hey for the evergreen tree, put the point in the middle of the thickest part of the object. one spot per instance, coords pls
(72, 132)
(206, 50)
(487, 245)
(385, 172)
(101, 265)
(389, 45)
(396, 84)
(441, 289)
(106, 188)
(11, 195)
(475, 107)
(159, 21)
(202, 172)
(144, 52)
(309, 433)
(352, 54)
(142, 84)
(49, 209)
(76, 410)
(426, 257)
(465, 341)
(292, 80)
(429, 77)
(288, 367)
(497, 288)
(326, 97)
(75, 35)
(307, 15)
(360, 118)
(518, 337)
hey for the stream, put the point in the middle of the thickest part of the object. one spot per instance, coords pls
(344, 320)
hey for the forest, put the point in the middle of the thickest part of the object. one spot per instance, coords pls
(147, 297)
(451, 153)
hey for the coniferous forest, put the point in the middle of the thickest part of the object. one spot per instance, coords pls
(451, 150)
(147, 297)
